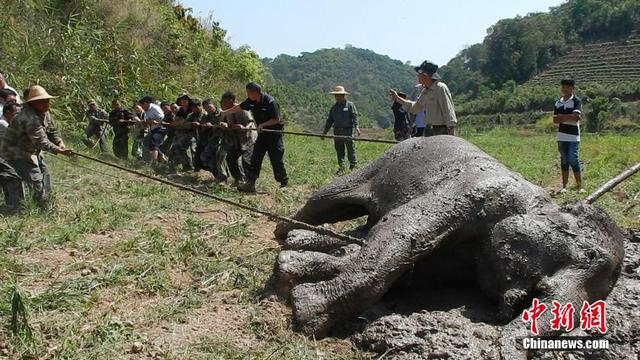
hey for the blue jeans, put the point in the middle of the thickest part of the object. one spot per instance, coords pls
(569, 155)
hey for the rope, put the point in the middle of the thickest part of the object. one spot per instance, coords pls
(310, 134)
(270, 215)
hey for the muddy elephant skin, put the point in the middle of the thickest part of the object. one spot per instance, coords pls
(446, 211)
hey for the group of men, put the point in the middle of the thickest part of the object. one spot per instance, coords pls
(230, 139)
(225, 138)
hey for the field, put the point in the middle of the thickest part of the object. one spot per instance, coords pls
(119, 260)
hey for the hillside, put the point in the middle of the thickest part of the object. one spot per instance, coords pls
(364, 73)
(81, 49)
(604, 62)
(517, 49)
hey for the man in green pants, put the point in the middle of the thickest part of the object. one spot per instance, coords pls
(343, 116)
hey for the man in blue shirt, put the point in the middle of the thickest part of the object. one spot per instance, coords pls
(266, 113)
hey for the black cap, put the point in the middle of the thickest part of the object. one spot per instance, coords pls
(254, 87)
(196, 102)
(183, 96)
(429, 68)
(207, 101)
(147, 99)
(568, 81)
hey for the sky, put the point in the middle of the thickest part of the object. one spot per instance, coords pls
(406, 30)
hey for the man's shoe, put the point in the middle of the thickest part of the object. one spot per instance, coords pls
(248, 187)
(353, 166)
(284, 184)
(340, 171)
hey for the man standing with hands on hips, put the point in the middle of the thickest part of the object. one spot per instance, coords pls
(435, 98)
(343, 116)
(266, 113)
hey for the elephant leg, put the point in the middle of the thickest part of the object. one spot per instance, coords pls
(345, 199)
(392, 247)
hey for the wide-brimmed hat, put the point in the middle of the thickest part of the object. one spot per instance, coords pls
(339, 90)
(37, 92)
(92, 102)
(429, 68)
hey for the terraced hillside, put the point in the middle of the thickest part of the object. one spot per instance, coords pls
(606, 62)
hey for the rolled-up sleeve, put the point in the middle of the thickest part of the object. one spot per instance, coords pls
(445, 101)
(415, 107)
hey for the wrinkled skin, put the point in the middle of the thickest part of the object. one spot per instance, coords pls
(441, 203)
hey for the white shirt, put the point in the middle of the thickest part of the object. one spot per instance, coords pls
(154, 113)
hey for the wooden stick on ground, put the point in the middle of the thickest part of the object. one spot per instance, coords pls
(606, 187)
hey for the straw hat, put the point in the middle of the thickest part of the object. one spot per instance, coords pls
(37, 92)
(339, 90)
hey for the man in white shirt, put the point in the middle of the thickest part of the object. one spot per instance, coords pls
(8, 113)
(153, 116)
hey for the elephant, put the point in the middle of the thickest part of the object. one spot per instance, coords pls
(441, 209)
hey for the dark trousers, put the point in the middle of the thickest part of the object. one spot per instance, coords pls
(212, 158)
(178, 152)
(121, 145)
(418, 132)
(341, 145)
(96, 130)
(35, 176)
(198, 164)
(273, 144)
(11, 184)
(238, 161)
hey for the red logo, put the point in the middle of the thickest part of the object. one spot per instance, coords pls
(592, 316)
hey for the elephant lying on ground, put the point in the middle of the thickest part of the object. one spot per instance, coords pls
(443, 210)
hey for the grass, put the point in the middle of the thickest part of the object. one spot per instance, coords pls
(118, 259)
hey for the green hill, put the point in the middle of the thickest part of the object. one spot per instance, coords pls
(307, 78)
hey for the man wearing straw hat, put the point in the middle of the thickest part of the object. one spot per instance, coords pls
(343, 116)
(31, 132)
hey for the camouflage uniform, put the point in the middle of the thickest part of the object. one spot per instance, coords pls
(27, 136)
(238, 145)
(118, 119)
(96, 127)
(213, 155)
(183, 140)
(203, 135)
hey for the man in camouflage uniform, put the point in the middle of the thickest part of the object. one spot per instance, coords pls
(204, 133)
(97, 122)
(184, 136)
(30, 133)
(237, 142)
(213, 154)
(120, 120)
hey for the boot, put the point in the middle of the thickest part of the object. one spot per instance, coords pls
(248, 187)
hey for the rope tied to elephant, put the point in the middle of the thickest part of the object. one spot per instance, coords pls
(273, 216)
